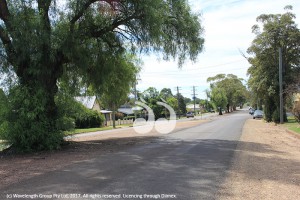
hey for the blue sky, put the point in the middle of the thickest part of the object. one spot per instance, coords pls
(227, 26)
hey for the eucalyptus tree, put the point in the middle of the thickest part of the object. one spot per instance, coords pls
(42, 41)
(234, 88)
(276, 31)
(218, 98)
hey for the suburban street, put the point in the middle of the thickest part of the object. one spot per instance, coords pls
(188, 164)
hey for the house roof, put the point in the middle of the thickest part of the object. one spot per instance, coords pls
(129, 111)
(191, 106)
(105, 111)
(87, 101)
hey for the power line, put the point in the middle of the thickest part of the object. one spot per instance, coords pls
(150, 74)
(206, 67)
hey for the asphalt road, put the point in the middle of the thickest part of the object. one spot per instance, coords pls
(188, 165)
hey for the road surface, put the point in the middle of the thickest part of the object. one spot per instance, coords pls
(188, 164)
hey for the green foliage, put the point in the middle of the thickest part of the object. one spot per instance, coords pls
(28, 127)
(75, 115)
(65, 123)
(235, 91)
(115, 91)
(152, 96)
(181, 104)
(276, 31)
(276, 116)
(218, 97)
(3, 106)
(82, 43)
(89, 119)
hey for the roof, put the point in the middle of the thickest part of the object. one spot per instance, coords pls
(129, 111)
(87, 101)
(191, 106)
(105, 111)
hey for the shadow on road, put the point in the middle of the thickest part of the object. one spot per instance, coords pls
(190, 170)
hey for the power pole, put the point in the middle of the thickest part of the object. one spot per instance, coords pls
(280, 86)
(194, 97)
(177, 88)
(135, 95)
(135, 90)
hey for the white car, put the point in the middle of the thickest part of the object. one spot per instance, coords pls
(189, 114)
(258, 114)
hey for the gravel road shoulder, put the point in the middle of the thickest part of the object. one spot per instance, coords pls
(266, 164)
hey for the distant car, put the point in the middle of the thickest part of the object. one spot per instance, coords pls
(251, 111)
(258, 114)
(189, 114)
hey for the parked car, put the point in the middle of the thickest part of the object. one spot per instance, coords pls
(258, 114)
(189, 114)
(251, 111)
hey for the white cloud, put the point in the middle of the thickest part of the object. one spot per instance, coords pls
(227, 26)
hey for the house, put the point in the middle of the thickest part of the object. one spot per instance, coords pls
(190, 107)
(129, 110)
(91, 103)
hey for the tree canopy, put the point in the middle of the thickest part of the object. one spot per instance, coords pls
(276, 31)
(43, 42)
(233, 87)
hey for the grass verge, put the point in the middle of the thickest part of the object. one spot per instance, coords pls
(293, 125)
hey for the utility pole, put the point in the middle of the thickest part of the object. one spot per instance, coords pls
(280, 86)
(194, 97)
(177, 88)
(135, 96)
(135, 90)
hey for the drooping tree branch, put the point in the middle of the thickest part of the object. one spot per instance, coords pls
(115, 24)
(85, 6)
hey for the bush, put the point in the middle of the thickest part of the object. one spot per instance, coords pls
(119, 116)
(75, 115)
(89, 119)
(66, 123)
(276, 116)
(28, 127)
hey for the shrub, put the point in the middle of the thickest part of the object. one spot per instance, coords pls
(119, 115)
(89, 119)
(28, 127)
(75, 115)
(276, 116)
(66, 123)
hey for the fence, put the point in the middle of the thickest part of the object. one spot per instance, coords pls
(120, 122)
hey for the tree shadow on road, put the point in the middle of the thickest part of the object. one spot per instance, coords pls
(188, 169)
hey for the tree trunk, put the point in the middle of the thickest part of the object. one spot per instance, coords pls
(220, 111)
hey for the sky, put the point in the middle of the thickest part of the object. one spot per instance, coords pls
(227, 25)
